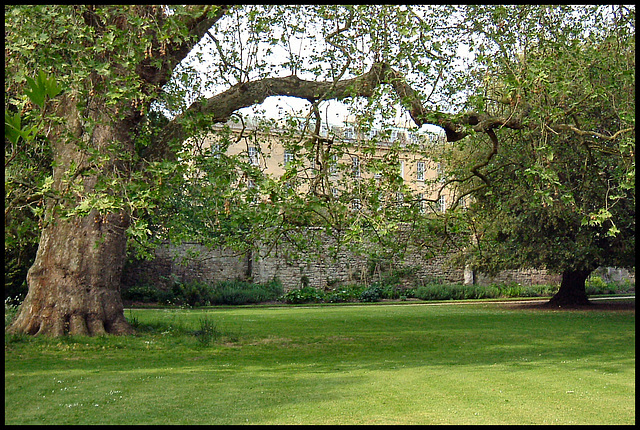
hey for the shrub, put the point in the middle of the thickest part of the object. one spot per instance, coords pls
(597, 285)
(190, 293)
(371, 294)
(202, 294)
(166, 297)
(347, 293)
(141, 293)
(511, 290)
(592, 289)
(241, 292)
(596, 282)
(624, 286)
(303, 295)
(490, 292)
(531, 291)
(392, 291)
(432, 292)
(456, 292)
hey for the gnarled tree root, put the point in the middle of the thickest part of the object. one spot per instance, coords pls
(56, 324)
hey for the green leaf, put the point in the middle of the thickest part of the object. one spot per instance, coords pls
(52, 87)
(42, 87)
(37, 93)
(46, 186)
(12, 127)
(613, 231)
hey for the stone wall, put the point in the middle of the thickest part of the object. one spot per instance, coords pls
(321, 264)
(522, 276)
(325, 263)
(188, 262)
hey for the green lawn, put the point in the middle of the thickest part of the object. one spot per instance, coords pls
(378, 364)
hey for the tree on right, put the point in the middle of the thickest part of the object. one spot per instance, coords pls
(559, 192)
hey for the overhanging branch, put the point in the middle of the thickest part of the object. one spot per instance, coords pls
(220, 107)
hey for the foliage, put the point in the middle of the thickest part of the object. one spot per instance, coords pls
(10, 309)
(596, 285)
(141, 293)
(344, 293)
(201, 294)
(465, 292)
(347, 293)
(119, 60)
(27, 160)
(303, 295)
(543, 197)
(237, 292)
(371, 294)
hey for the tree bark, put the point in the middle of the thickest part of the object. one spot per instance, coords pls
(74, 283)
(572, 290)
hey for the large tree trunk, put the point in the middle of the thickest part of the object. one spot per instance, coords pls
(74, 283)
(572, 290)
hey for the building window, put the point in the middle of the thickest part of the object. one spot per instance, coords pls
(355, 166)
(420, 171)
(215, 150)
(356, 205)
(348, 133)
(333, 165)
(253, 156)
(288, 157)
(394, 136)
(443, 204)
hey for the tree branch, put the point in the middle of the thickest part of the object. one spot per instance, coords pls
(200, 19)
(562, 127)
(494, 151)
(220, 107)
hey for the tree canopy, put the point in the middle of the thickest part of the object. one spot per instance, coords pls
(104, 105)
(559, 193)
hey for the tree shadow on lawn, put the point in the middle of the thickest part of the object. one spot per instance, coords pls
(613, 306)
(470, 340)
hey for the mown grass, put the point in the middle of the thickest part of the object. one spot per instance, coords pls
(404, 364)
